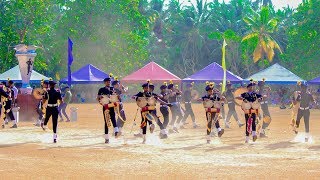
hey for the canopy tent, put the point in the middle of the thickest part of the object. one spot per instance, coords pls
(213, 72)
(152, 71)
(276, 74)
(88, 74)
(15, 75)
(314, 81)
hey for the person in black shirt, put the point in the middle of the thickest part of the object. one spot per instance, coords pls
(212, 112)
(305, 99)
(4, 96)
(52, 96)
(228, 94)
(108, 109)
(8, 106)
(250, 114)
(264, 91)
(175, 108)
(187, 103)
(164, 109)
(119, 89)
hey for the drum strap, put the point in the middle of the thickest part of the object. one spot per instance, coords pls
(249, 124)
(209, 121)
(144, 117)
(117, 109)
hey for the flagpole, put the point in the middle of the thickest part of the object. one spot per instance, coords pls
(70, 60)
(223, 64)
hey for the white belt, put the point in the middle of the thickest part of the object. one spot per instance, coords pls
(52, 105)
(163, 106)
(187, 102)
(265, 102)
(304, 108)
(230, 102)
(175, 103)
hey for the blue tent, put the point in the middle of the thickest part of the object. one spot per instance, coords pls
(314, 81)
(213, 72)
(88, 74)
(276, 74)
(14, 74)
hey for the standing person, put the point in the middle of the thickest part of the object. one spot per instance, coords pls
(295, 106)
(228, 94)
(8, 106)
(175, 108)
(147, 109)
(305, 99)
(63, 106)
(164, 108)
(15, 92)
(212, 112)
(264, 91)
(4, 96)
(119, 89)
(187, 103)
(218, 90)
(108, 109)
(41, 107)
(52, 96)
(251, 112)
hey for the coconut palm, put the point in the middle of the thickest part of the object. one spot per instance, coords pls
(262, 26)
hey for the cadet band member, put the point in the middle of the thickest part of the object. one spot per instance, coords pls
(8, 106)
(41, 109)
(146, 110)
(264, 107)
(120, 89)
(164, 108)
(212, 112)
(251, 112)
(187, 103)
(108, 109)
(52, 96)
(228, 94)
(175, 108)
(305, 99)
(295, 106)
(4, 96)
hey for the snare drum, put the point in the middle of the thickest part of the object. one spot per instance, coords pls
(151, 101)
(142, 102)
(217, 104)
(255, 105)
(104, 100)
(114, 98)
(246, 105)
(207, 103)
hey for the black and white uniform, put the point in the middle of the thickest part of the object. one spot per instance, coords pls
(212, 116)
(52, 96)
(264, 107)
(188, 108)
(232, 106)
(120, 123)
(305, 99)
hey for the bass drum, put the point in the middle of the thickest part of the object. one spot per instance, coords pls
(237, 93)
(104, 100)
(208, 103)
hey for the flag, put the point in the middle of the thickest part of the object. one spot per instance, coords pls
(70, 59)
(224, 67)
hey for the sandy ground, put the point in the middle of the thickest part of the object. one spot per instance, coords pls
(28, 152)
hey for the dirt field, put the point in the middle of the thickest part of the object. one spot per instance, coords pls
(28, 152)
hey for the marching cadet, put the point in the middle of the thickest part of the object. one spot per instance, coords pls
(175, 108)
(120, 89)
(212, 106)
(264, 107)
(305, 99)
(295, 106)
(228, 94)
(164, 108)
(52, 96)
(4, 96)
(146, 110)
(251, 111)
(108, 109)
(8, 106)
(41, 109)
(187, 104)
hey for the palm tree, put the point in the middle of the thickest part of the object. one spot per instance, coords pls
(261, 28)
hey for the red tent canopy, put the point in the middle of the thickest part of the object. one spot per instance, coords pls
(152, 71)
